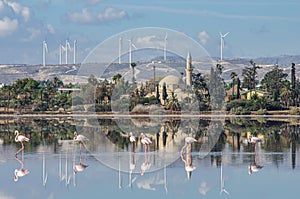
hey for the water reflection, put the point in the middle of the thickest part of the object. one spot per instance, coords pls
(111, 161)
(21, 172)
(186, 156)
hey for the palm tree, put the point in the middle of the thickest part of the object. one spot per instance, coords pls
(173, 103)
(133, 65)
(116, 78)
(285, 95)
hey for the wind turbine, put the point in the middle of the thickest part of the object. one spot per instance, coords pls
(45, 50)
(61, 48)
(74, 51)
(222, 43)
(165, 48)
(66, 49)
(120, 49)
(223, 182)
(130, 50)
(45, 175)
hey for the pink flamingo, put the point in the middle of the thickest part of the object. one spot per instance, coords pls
(20, 138)
(81, 139)
(145, 141)
(132, 139)
(254, 140)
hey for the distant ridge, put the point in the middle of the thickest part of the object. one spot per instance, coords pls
(11, 72)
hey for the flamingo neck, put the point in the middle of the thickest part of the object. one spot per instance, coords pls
(16, 138)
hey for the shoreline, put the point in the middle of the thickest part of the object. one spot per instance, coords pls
(206, 114)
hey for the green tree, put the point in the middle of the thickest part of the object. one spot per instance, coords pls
(293, 85)
(250, 76)
(273, 82)
(164, 93)
(173, 103)
(233, 76)
(200, 86)
(285, 94)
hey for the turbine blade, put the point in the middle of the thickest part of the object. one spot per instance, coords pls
(226, 34)
(132, 44)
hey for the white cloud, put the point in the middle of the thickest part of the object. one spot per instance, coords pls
(7, 26)
(50, 28)
(150, 40)
(1, 5)
(204, 37)
(203, 188)
(87, 17)
(19, 9)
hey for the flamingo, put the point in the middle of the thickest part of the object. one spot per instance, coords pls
(188, 141)
(81, 139)
(145, 141)
(132, 139)
(254, 140)
(20, 138)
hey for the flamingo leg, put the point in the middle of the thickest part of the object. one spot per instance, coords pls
(86, 149)
(22, 148)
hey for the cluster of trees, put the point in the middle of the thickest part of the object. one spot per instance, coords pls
(26, 95)
(208, 93)
(280, 92)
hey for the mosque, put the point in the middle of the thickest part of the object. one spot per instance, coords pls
(176, 84)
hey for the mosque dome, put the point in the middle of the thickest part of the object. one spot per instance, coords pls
(170, 80)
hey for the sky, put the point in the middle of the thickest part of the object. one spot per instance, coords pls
(257, 28)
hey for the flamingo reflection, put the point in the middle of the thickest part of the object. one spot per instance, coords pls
(81, 166)
(186, 156)
(20, 138)
(45, 175)
(146, 164)
(254, 167)
(20, 172)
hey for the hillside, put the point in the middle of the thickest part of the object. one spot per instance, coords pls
(144, 70)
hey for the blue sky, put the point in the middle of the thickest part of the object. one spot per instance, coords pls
(257, 28)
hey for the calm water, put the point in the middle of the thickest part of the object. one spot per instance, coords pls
(221, 164)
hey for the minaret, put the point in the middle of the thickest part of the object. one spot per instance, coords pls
(188, 70)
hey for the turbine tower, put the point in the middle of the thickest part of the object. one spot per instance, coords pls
(45, 50)
(61, 49)
(74, 51)
(130, 50)
(222, 43)
(120, 49)
(67, 47)
(165, 48)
